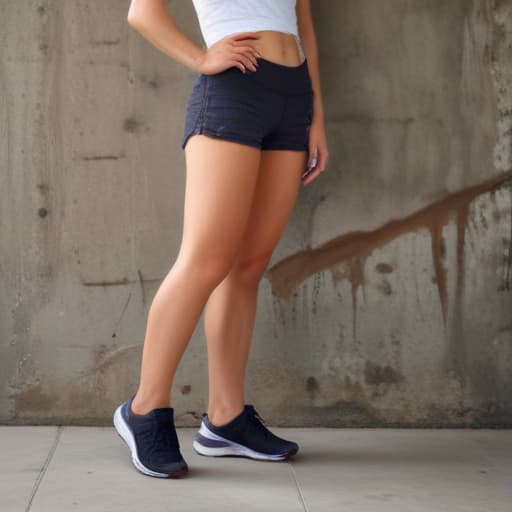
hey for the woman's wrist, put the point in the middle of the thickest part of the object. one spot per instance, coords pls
(318, 113)
(197, 61)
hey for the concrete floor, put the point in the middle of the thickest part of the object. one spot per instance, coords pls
(50, 468)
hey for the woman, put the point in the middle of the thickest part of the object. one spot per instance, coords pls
(253, 118)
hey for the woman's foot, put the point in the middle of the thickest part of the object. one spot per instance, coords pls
(152, 439)
(245, 435)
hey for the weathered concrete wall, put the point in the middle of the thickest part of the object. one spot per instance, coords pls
(389, 298)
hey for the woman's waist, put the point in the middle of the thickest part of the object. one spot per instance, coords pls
(279, 47)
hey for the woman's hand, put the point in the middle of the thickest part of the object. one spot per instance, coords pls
(232, 50)
(318, 152)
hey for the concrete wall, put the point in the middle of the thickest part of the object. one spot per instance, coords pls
(389, 298)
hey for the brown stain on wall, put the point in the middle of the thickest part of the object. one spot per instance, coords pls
(352, 249)
(185, 389)
(376, 374)
(384, 268)
(311, 386)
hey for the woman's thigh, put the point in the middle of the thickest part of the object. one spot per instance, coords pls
(277, 187)
(221, 177)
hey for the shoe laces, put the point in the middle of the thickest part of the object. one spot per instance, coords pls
(257, 420)
(160, 436)
(164, 436)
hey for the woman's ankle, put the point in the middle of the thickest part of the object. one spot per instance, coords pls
(141, 405)
(219, 416)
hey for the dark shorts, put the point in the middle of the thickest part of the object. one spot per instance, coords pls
(269, 108)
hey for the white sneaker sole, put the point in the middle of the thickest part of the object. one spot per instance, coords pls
(124, 431)
(229, 448)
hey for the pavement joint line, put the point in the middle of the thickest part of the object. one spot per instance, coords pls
(297, 485)
(43, 469)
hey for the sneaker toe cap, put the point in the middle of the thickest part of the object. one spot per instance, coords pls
(291, 448)
(170, 467)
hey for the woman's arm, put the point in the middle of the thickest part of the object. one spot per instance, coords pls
(309, 44)
(318, 151)
(152, 20)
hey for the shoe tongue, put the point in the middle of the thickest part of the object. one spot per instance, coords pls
(249, 410)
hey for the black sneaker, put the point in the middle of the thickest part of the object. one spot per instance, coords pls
(245, 435)
(152, 440)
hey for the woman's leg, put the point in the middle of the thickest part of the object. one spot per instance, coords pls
(231, 308)
(220, 183)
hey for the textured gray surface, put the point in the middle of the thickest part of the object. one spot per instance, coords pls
(49, 469)
(389, 298)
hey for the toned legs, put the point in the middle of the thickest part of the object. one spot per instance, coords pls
(231, 308)
(220, 183)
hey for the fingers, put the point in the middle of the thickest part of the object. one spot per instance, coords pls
(250, 50)
(313, 157)
(237, 64)
(310, 176)
(247, 54)
(316, 163)
(322, 160)
(242, 63)
(248, 59)
(240, 52)
(318, 159)
(234, 51)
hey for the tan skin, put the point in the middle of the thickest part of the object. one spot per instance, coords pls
(228, 236)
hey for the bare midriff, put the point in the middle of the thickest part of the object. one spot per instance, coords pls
(279, 47)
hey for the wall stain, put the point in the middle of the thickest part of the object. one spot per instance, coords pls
(102, 157)
(131, 125)
(123, 281)
(376, 374)
(311, 386)
(384, 268)
(352, 249)
(188, 418)
(385, 287)
(106, 42)
(185, 389)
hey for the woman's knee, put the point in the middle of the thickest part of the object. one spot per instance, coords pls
(249, 269)
(206, 268)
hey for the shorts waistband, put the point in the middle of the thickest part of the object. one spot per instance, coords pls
(281, 78)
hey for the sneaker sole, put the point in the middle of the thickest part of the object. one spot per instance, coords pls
(210, 444)
(126, 435)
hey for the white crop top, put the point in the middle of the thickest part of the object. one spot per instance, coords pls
(219, 18)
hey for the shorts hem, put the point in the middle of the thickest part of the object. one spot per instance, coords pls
(218, 135)
(284, 147)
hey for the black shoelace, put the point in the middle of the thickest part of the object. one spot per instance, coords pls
(160, 438)
(257, 420)
(165, 436)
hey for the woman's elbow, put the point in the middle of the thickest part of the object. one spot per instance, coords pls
(135, 13)
(141, 11)
(133, 19)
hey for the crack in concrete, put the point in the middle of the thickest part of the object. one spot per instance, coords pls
(301, 497)
(44, 468)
